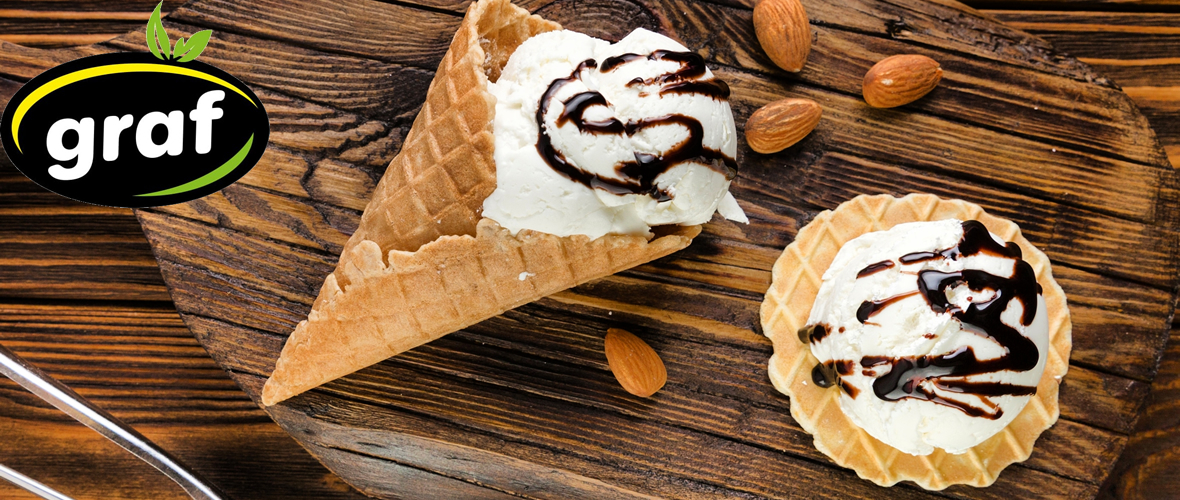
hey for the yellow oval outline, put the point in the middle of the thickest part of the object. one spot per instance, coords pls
(104, 70)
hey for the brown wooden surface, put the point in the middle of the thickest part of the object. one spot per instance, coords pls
(528, 392)
(1140, 50)
(329, 93)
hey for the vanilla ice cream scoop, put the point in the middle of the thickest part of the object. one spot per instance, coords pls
(936, 333)
(596, 138)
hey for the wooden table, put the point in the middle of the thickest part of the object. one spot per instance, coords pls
(81, 295)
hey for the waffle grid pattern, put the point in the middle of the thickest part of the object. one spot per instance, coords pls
(447, 269)
(796, 280)
(437, 183)
(447, 285)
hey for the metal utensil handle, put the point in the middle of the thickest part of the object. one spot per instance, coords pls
(65, 399)
(30, 484)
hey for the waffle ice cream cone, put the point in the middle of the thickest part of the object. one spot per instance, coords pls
(423, 263)
(796, 282)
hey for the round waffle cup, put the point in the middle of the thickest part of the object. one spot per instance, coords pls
(796, 281)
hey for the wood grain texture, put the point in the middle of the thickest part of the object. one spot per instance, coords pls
(1081, 5)
(84, 465)
(336, 127)
(41, 254)
(139, 361)
(60, 24)
(1139, 49)
(245, 264)
(1149, 465)
(725, 32)
(81, 297)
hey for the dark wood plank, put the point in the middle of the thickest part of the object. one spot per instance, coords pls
(54, 24)
(20, 28)
(702, 374)
(274, 312)
(59, 248)
(962, 102)
(54, 40)
(139, 361)
(840, 59)
(22, 63)
(1145, 62)
(305, 199)
(415, 50)
(939, 24)
(1056, 229)
(65, 8)
(1148, 467)
(1161, 105)
(1102, 400)
(390, 479)
(482, 463)
(256, 460)
(1102, 35)
(355, 28)
(833, 73)
(1080, 5)
(337, 182)
(1061, 175)
(347, 83)
(763, 474)
(712, 254)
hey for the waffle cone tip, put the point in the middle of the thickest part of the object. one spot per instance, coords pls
(422, 262)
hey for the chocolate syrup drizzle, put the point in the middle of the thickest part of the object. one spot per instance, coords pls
(828, 374)
(948, 371)
(814, 333)
(869, 308)
(639, 175)
(682, 81)
(875, 268)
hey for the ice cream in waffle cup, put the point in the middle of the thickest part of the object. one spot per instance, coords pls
(423, 263)
(797, 276)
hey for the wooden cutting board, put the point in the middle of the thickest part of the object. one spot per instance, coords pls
(524, 404)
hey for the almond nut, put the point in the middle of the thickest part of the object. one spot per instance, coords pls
(783, 32)
(780, 124)
(900, 79)
(635, 364)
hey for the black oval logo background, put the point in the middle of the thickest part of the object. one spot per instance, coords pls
(125, 181)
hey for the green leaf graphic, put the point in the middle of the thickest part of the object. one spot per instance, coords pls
(179, 47)
(196, 44)
(211, 177)
(157, 37)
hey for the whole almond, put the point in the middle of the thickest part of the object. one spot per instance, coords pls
(780, 124)
(635, 364)
(783, 32)
(900, 79)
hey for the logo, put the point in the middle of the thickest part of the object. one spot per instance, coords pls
(136, 129)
